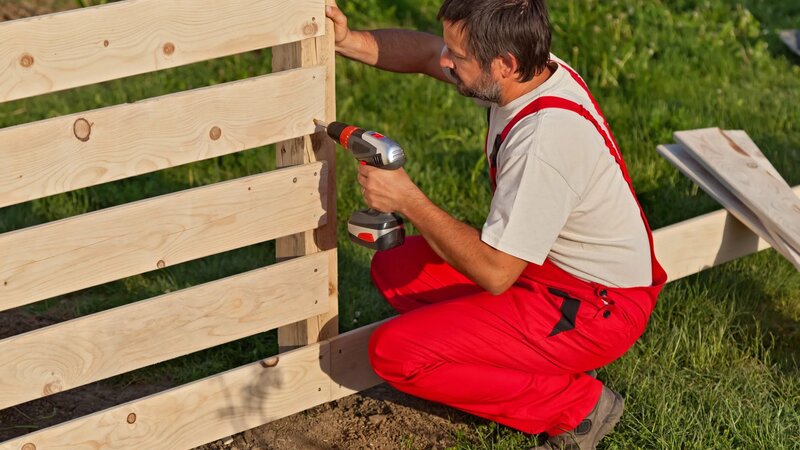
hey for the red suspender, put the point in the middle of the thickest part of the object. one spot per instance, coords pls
(659, 276)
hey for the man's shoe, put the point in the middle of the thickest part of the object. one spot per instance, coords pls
(598, 423)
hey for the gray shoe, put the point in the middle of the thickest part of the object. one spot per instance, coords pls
(598, 423)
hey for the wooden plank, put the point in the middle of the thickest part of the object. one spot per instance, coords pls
(80, 150)
(89, 45)
(351, 371)
(706, 241)
(679, 157)
(318, 147)
(792, 40)
(76, 253)
(741, 139)
(199, 412)
(99, 346)
(777, 207)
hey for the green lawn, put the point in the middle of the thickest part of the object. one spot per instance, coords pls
(719, 366)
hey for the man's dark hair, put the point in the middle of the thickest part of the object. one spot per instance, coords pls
(497, 27)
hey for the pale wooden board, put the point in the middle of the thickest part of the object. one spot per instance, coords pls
(773, 202)
(48, 157)
(86, 46)
(742, 139)
(317, 147)
(792, 40)
(200, 412)
(99, 346)
(351, 371)
(681, 159)
(71, 254)
(706, 241)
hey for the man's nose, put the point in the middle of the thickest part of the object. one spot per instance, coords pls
(446, 61)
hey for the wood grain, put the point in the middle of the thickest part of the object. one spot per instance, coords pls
(80, 150)
(76, 253)
(89, 45)
(199, 412)
(681, 159)
(773, 202)
(99, 346)
(318, 147)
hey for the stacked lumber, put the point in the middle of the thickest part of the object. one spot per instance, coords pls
(792, 39)
(731, 168)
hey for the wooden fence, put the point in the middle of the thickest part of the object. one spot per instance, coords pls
(295, 205)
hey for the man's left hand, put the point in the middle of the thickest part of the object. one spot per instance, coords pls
(387, 190)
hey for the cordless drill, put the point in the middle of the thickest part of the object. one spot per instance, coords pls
(371, 228)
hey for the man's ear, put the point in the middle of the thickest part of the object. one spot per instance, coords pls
(507, 65)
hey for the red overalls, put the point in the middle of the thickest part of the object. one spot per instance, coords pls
(517, 358)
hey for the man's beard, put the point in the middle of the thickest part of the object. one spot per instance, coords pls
(485, 88)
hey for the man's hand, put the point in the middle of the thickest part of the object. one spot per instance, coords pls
(341, 31)
(388, 190)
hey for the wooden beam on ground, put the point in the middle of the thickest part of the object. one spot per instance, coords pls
(99, 346)
(89, 45)
(770, 199)
(80, 150)
(67, 255)
(318, 147)
(703, 242)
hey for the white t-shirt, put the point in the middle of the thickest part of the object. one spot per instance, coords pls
(561, 195)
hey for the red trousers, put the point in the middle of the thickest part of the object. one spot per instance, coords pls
(517, 358)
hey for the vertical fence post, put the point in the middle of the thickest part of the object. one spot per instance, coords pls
(311, 52)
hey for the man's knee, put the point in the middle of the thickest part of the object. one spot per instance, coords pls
(391, 352)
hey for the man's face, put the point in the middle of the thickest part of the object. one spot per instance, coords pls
(471, 79)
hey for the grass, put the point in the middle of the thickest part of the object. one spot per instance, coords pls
(718, 367)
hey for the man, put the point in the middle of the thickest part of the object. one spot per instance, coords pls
(505, 322)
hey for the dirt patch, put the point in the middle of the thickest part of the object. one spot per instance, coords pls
(18, 9)
(378, 418)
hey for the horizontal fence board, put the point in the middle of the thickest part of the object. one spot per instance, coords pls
(199, 412)
(99, 346)
(706, 241)
(86, 46)
(80, 150)
(71, 254)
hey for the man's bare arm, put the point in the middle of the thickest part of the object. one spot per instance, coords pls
(395, 50)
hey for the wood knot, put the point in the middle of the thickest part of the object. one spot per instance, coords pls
(82, 129)
(131, 418)
(169, 48)
(215, 133)
(106, 43)
(310, 29)
(29, 446)
(752, 165)
(26, 60)
(52, 388)
(271, 362)
(161, 264)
